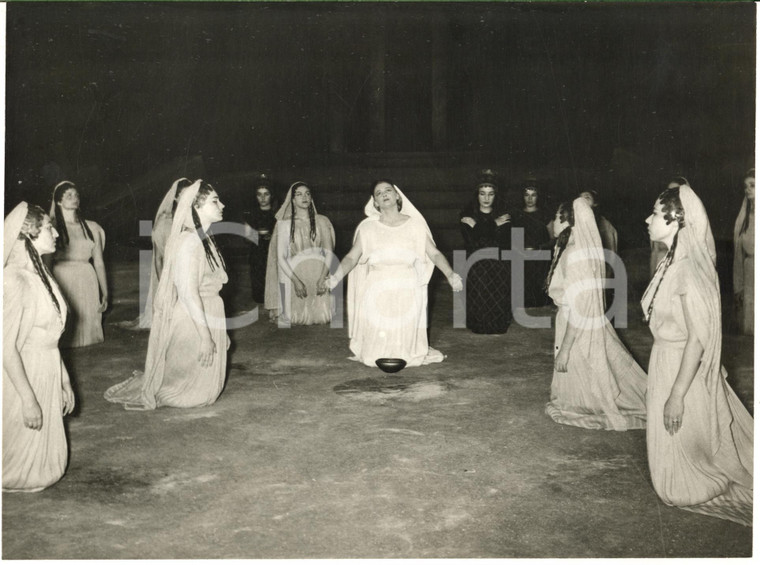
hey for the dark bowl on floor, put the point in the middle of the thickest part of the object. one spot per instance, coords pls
(390, 365)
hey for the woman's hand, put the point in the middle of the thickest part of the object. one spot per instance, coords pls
(68, 398)
(32, 414)
(673, 414)
(456, 282)
(469, 221)
(561, 360)
(503, 219)
(103, 304)
(323, 285)
(206, 352)
(300, 288)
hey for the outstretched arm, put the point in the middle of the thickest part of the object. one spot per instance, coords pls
(440, 261)
(346, 265)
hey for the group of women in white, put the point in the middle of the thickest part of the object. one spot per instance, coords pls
(699, 435)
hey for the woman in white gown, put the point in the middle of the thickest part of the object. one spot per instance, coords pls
(744, 258)
(298, 260)
(36, 388)
(699, 434)
(186, 362)
(390, 265)
(162, 227)
(596, 383)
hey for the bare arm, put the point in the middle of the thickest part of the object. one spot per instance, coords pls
(563, 355)
(328, 243)
(283, 260)
(439, 260)
(347, 264)
(99, 265)
(692, 357)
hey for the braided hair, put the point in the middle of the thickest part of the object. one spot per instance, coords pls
(750, 204)
(60, 222)
(673, 212)
(566, 214)
(209, 243)
(312, 213)
(30, 230)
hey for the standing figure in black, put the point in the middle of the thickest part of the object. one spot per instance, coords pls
(536, 224)
(261, 219)
(486, 224)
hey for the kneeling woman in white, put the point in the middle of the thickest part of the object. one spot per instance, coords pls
(390, 265)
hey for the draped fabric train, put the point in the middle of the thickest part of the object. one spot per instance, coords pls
(604, 387)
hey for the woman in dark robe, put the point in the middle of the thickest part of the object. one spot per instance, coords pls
(485, 224)
(535, 222)
(261, 219)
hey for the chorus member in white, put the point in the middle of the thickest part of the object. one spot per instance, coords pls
(79, 268)
(36, 388)
(186, 362)
(389, 267)
(298, 260)
(596, 383)
(744, 258)
(699, 434)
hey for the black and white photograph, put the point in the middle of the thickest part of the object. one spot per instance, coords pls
(378, 280)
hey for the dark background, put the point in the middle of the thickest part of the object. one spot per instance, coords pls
(123, 97)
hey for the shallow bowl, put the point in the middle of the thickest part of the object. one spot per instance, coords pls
(390, 365)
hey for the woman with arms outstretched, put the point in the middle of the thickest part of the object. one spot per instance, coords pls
(388, 270)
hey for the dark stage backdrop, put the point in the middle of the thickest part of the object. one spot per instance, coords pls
(123, 97)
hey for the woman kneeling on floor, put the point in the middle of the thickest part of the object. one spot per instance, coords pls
(186, 363)
(390, 265)
(36, 388)
(699, 437)
(596, 382)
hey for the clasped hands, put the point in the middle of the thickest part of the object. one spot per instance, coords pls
(500, 221)
(329, 282)
(326, 284)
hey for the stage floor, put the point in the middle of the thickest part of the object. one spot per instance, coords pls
(309, 455)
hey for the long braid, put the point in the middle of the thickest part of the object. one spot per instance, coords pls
(41, 270)
(60, 226)
(565, 211)
(312, 222)
(673, 212)
(292, 216)
(559, 248)
(664, 264)
(207, 240)
(211, 238)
